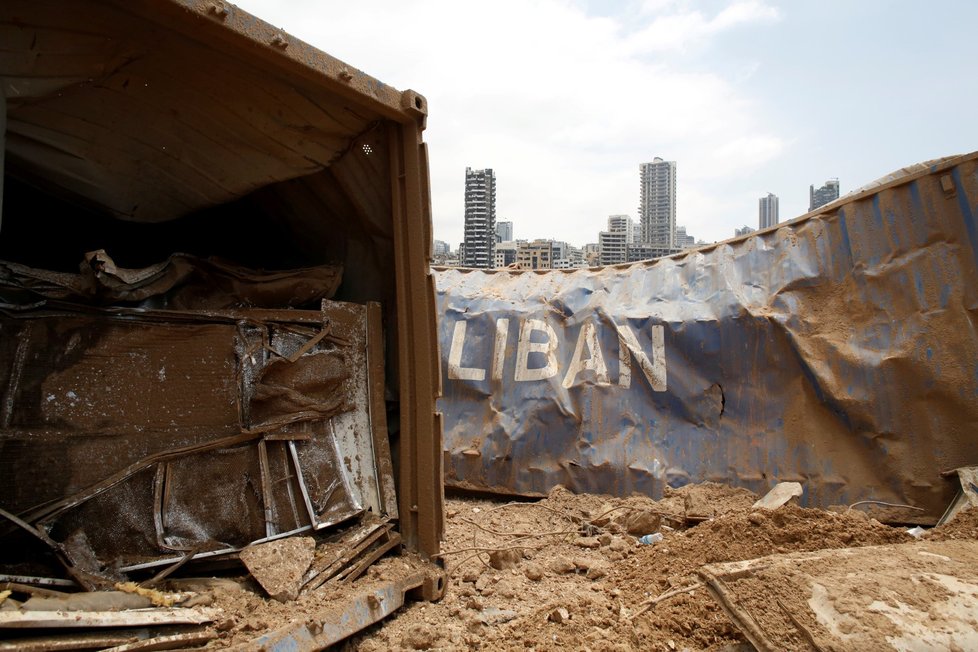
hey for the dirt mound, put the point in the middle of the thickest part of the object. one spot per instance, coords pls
(750, 534)
(964, 526)
(582, 580)
(565, 572)
(694, 620)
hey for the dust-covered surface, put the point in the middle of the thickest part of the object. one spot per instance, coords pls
(919, 595)
(582, 586)
(565, 572)
(964, 526)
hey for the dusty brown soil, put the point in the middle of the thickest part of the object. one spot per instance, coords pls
(964, 526)
(581, 587)
(566, 573)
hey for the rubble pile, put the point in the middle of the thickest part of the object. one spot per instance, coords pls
(569, 571)
(588, 571)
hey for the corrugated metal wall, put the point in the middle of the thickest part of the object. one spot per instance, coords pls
(837, 350)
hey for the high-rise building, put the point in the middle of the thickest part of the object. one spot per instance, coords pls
(480, 218)
(744, 230)
(657, 203)
(504, 231)
(441, 248)
(824, 195)
(612, 243)
(767, 211)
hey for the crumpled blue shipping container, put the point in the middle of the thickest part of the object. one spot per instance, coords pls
(837, 350)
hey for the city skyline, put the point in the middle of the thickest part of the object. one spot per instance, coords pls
(655, 234)
(725, 87)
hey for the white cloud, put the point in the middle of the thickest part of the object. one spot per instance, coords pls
(562, 105)
(683, 29)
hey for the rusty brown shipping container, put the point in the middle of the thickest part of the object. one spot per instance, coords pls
(177, 149)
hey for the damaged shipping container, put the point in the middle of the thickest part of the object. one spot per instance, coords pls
(837, 350)
(217, 315)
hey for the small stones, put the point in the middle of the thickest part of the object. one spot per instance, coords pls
(562, 566)
(603, 515)
(504, 559)
(595, 572)
(588, 542)
(560, 615)
(494, 616)
(533, 572)
(642, 522)
(419, 637)
(619, 545)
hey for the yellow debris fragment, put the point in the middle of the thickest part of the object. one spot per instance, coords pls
(156, 597)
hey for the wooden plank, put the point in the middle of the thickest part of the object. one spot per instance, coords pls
(173, 642)
(132, 618)
(84, 641)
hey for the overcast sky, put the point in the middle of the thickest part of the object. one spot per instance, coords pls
(564, 99)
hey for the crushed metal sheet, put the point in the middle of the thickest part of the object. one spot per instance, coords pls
(807, 352)
(182, 282)
(338, 621)
(338, 559)
(282, 441)
(131, 618)
(893, 597)
(967, 497)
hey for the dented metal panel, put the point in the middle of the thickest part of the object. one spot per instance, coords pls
(161, 433)
(837, 350)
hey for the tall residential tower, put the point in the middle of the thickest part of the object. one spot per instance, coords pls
(657, 203)
(767, 213)
(480, 218)
(504, 231)
(824, 195)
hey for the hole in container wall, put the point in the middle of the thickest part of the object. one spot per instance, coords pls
(367, 149)
(417, 102)
(42, 230)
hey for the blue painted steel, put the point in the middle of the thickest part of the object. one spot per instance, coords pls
(837, 350)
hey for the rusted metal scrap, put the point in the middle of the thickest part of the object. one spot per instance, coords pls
(209, 430)
(182, 282)
(371, 603)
